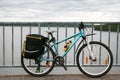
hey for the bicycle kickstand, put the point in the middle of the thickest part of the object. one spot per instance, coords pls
(64, 67)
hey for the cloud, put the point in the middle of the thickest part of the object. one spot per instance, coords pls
(59, 10)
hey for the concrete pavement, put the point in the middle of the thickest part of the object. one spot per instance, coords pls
(59, 77)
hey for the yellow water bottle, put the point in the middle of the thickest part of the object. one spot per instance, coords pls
(67, 46)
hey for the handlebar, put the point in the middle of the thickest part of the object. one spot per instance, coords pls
(81, 26)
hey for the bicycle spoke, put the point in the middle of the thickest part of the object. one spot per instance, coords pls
(98, 67)
(40, 66)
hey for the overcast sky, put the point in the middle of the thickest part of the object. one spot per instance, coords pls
(59, 10)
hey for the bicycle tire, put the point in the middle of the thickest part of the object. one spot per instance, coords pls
(90, 74)
(38, 74)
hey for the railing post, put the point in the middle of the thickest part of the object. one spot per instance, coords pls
(66, 41)
(74, 46)
(3, 45)
(39, 28)
(101, 32)
(109, 34)
(12, 45)
(92, 31)
(21, 38)
(117, 45)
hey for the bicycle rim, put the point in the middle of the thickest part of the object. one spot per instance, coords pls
(103, 61)
(41, 66)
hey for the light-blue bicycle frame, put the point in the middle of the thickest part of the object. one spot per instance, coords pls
(77, 37)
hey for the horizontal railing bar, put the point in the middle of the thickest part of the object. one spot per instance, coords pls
(50, 24)
(61, 66)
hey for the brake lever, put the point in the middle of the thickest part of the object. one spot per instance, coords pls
(91, 34)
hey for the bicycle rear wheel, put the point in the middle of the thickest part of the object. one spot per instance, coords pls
(95, 68)
(40, 66)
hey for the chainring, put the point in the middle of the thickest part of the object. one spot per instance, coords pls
(59, 60)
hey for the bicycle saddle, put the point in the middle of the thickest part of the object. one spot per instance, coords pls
(50, 31)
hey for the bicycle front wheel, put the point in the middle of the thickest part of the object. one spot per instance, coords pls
(94, 68)
(40, 66)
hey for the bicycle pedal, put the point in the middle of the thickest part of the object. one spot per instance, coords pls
(37, 71)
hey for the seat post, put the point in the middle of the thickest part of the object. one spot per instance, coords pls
(51, 35)
(52, 38)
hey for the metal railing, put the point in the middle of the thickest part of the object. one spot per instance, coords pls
(13, 35)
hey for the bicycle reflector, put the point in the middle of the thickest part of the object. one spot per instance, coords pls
(86, 59)
(106, 61)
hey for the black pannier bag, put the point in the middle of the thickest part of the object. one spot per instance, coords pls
(33, 46)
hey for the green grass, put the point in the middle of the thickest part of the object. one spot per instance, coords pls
(108, 27)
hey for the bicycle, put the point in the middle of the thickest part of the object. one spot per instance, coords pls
(87, 59)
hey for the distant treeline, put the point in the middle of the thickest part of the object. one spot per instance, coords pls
(108, 27)
(42, 24)
(103, 27)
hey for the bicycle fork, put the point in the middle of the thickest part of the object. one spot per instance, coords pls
(90, 52)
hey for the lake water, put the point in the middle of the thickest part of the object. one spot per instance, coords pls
(61, 35)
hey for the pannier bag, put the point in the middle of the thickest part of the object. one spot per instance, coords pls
(33, 46)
